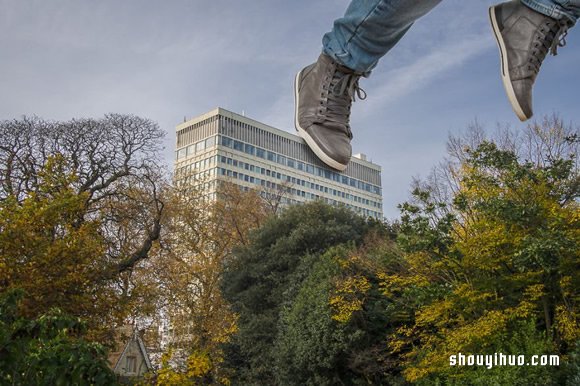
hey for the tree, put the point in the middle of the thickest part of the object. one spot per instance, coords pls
(334, 330)
(198, 238)
(499, 258)
(265, 276)
(49, 350)
(81, 208)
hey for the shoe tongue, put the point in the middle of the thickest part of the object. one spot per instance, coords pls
(345, 70)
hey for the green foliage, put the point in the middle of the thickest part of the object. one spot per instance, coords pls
(265, 277)
(49, 350)
(493, 272)
(334, 331)
(521, 338)
(309, 341)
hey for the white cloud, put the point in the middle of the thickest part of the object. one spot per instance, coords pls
(445, 57)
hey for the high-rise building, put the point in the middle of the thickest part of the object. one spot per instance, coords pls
(224, 146)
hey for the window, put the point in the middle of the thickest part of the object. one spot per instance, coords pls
(228, 142)
(291, 163)
(131, 366)
(281, 160)
(200, 146)
(300, 165)
(210, 142)
(238, 146)
(260, 153)
(181, 153)
(271, 156)
(249, 149)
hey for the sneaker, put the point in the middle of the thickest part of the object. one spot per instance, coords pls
(324, 92)
(524, 37)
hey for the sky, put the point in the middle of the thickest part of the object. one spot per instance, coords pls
(166, 60)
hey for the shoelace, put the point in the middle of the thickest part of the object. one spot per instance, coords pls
(550, 39)
(560, 40)
(343, 90)
(349, 83)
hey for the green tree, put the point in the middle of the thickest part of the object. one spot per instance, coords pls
(264, 278)
(334, 330)
(49, 350)
(501, 258)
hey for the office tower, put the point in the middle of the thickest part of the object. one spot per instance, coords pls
(224, 146)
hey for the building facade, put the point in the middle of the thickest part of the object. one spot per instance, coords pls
(225, 146)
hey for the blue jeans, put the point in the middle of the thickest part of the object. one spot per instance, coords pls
(370, 28)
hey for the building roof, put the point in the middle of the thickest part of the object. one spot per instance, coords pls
(242, 118)
(121, 348)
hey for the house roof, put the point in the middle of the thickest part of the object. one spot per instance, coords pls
(115, 357)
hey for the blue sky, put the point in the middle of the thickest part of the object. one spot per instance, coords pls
(166, 60)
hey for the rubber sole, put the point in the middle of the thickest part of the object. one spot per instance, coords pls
(309, 140)
(505, 76)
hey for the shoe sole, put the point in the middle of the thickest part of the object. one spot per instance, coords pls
(505, 77)
(309, 140)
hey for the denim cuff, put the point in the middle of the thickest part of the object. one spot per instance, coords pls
(551, 9)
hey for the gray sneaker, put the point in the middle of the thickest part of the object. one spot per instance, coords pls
(324, 92)
(524, 37)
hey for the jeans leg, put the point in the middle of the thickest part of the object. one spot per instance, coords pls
(370, 28)
(558, 9)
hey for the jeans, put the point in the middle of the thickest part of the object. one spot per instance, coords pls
(370, 28)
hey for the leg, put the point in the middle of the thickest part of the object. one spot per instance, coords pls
(556, 9)
(370, 28)
(325, 90)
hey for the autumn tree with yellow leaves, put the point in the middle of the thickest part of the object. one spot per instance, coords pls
(495, 269)
(80, 209)
(197, 242)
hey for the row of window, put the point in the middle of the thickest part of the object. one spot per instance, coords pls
(199, 171)
(197, 147)
(357, 209)
(295, 192)
(296, 181)
(280, 144)
(298, 165)
(247, 148)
